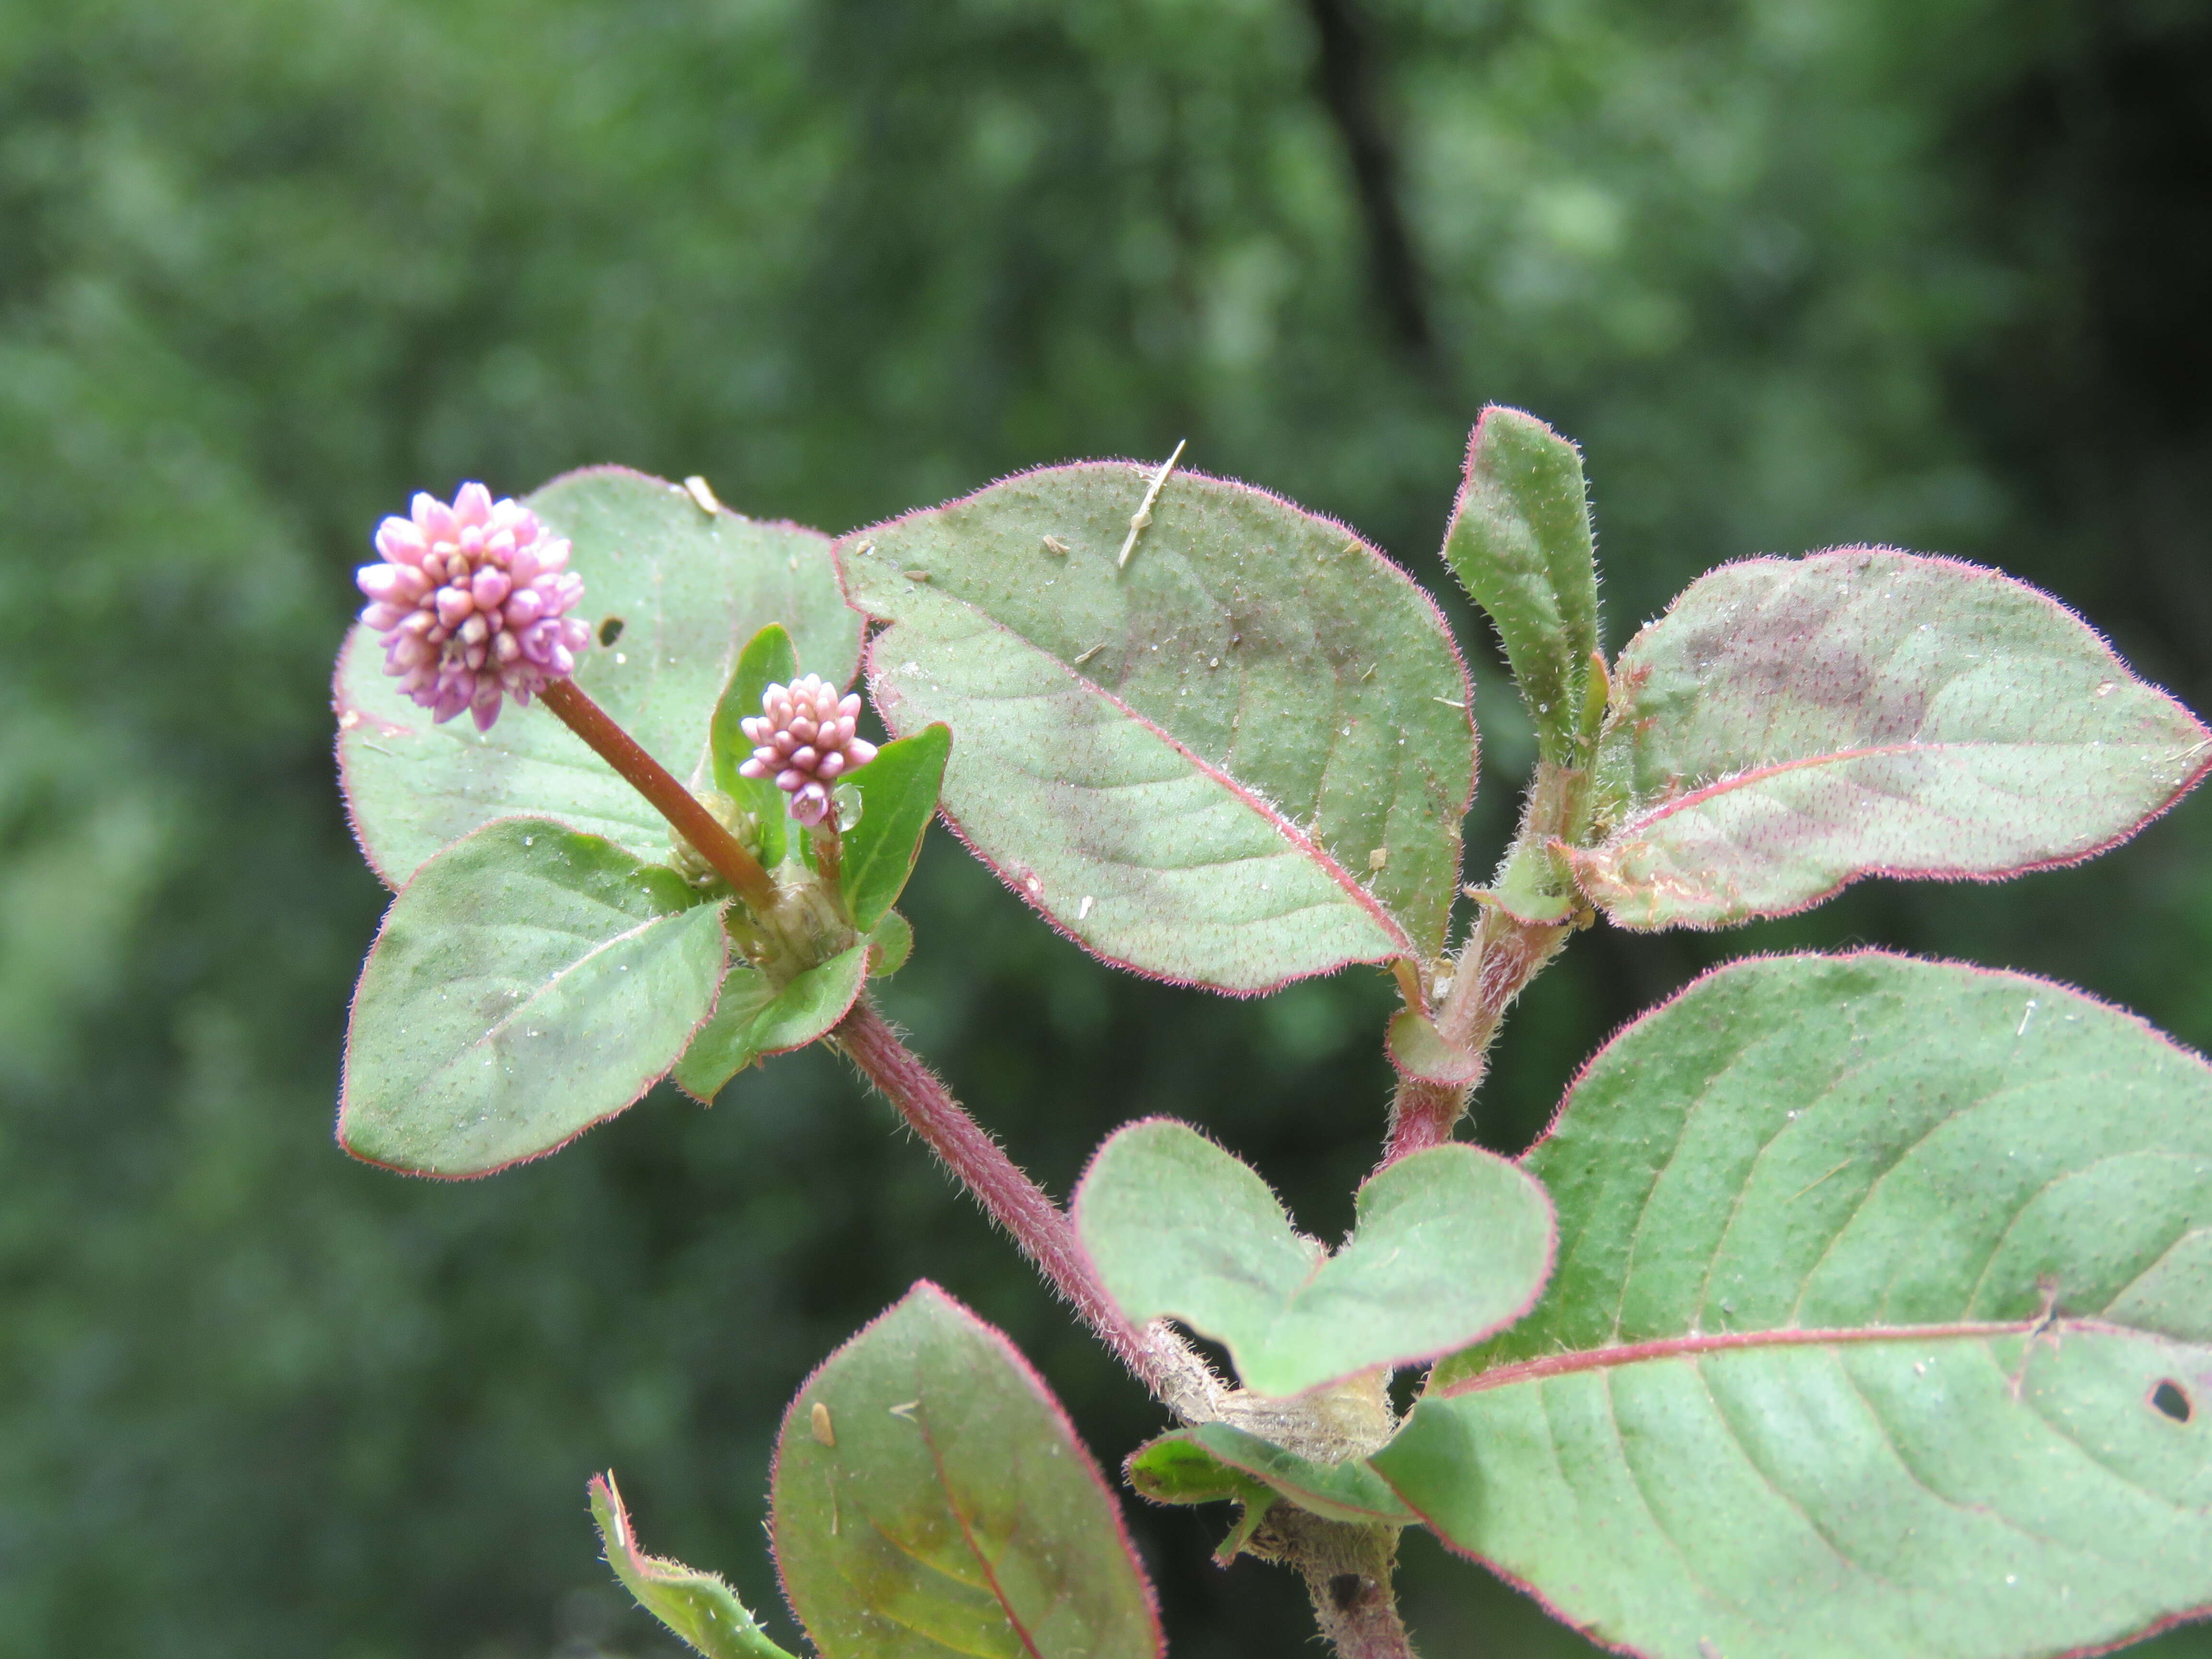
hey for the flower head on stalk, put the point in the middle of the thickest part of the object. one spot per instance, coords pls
(472, 601)
(803, 738)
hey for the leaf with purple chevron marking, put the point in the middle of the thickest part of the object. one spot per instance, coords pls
(1791, 725)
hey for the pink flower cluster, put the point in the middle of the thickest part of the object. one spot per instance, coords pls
(473, 602)
(804, 740)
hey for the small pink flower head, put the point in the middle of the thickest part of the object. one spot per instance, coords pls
(803, 738)
(472, 601)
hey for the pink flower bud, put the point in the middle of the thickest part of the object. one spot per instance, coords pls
(803, 738)
(472, 601)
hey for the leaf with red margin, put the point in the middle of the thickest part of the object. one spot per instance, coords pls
(1791, 725)
(757, 1018)
(1209, 1462)
(931, 1498)
(1520, 542)
(698, 1606)
(690, 588)
(1448, 1243)
(527, 984)
(1882, 1325)
(1240, 760)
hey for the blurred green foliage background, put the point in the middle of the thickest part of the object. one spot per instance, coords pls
(1928, 272)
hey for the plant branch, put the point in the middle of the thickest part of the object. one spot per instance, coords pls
(1506, 950)
(1348, 1570)
(1157, 1357)
(658, 784)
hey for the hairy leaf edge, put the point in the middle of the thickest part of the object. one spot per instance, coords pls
(1580, 860)
(1330, 1253)
(352, 1003)
(930, 1290)
(1531, 1370)
(860, 987)
(1253, 799)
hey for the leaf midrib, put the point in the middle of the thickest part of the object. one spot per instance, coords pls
(1614, 1355)
(1756, 775)
(1246, 795)
(507, 1020)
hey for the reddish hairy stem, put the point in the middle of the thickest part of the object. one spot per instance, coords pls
(1016, 1203)
(1160, 1359)
(1348, 1570)
(659, 786)
(1503, 956)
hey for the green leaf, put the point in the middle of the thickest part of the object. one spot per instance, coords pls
(898, 797)
(698, 1606)
(1419, 1050)
(1448, 1243)
(757, 1018)
(1218, 1460)
(768, 658)
(1792, 725)
(527, 984)
(1882, 1325)
(1175, 1468)
(931, 1499)
(1189, 763)
(689, 588)
(893, 938)
(1520, 542)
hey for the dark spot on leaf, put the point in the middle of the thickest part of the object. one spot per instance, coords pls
(2170, 1398)
(611, 631)
(1346, 1590)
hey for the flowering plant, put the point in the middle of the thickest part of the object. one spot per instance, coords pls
(1852, 1303)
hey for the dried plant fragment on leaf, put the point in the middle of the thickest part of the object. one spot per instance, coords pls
(1792, 725)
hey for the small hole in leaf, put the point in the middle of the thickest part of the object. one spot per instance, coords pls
(2172, 1399)
(611, 631)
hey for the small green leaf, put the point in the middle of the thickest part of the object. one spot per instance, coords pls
(1175, 1468)
(1419, 1050)
(768, 658)
(1520, 541)
(528, 982)
(1189, 762)
(1178, 1468)
(690, 588)
(898, 797)
(698, 1606)
(1218, 1460)
(1447, 1241)
(1882, 1325)
(931, 1498)
(1792, 725)
(893, 938)
(757, 1018)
